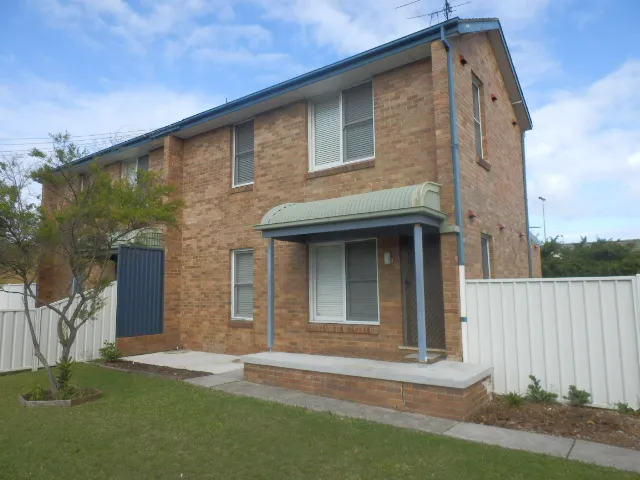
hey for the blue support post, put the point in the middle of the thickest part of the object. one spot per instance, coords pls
(270, 291)
(422, 326)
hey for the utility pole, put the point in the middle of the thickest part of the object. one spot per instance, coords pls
(544, 220)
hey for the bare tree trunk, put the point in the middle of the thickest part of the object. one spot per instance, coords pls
(36, 344)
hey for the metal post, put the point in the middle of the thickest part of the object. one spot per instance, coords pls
(422, 327)
(544, 218)
(270, 292)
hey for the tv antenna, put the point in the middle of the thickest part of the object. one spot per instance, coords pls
(445, 11)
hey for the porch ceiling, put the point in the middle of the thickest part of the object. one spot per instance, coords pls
(373, 210)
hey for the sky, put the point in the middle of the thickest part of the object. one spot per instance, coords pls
(95, 67)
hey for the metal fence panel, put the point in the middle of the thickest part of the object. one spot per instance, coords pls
(10, 300)
(565, 331)
(16, 347)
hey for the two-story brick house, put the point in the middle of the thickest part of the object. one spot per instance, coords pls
(304, 203)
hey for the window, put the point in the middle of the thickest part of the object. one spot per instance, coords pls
(83, 181)
(243, 154)
(242, 280)
(130, 167)
(342, 128)
(344, 282)
(485, 242)
(477, 116)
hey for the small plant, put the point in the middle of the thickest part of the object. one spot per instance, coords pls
(37, 394)
(109, 352)
(625, 408)
(537, 394)
(514, 399)
(577, 397)
(64, 372)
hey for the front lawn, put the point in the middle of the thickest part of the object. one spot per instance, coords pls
(147, 427)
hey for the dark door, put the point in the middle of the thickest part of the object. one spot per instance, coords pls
(434, 302)
(140, 309)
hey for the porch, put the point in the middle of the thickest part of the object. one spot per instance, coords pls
(375, 266)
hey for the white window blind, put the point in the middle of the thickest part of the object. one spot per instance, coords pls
(345, 282)
(329, 282)
(130, 167)
(343, 128)
(243, 162)
(327, 132)
(358, 122)
(477, 116)
(362, 281)
(243, 284)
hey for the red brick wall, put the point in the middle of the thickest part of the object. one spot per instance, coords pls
(444, 402)
(496, 196)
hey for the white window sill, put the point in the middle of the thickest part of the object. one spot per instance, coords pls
(329, 166)
(241, 319)
(242, 184)
(344, 322)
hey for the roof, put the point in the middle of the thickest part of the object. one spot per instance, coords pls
(421, 199)
(252, 103)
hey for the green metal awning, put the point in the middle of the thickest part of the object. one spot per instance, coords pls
(412, 203)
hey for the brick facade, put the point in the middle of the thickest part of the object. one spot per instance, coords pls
(413, 145)
(444, 402)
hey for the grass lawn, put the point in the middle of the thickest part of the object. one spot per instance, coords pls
(147, 427)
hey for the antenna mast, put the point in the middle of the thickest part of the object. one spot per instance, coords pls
(446, 11)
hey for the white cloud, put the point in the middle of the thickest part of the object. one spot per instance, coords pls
(35, 107)
(584, 151)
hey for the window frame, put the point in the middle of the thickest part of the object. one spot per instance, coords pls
(128, 161)
(312, 128)
(312, 284)
(235, 317)
(485, 246)
(233, 154)
(476, 90)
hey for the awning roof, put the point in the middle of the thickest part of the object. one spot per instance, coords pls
(412, 204)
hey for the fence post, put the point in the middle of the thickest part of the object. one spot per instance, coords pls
(636, 302)
(37, 323)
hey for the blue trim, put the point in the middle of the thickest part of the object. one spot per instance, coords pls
(455, 144)
(353, 225)
(420, 293)
(526, 207)
(396, 46)
(271, 293)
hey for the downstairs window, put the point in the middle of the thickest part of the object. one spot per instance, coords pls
(344, 282)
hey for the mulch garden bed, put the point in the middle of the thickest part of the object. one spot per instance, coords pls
(584, 423)
(136, 367)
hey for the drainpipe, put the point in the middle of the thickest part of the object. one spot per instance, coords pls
(526, 208)
(455, 154)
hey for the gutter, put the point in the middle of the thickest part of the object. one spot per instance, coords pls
(526, 207)
(455, 154)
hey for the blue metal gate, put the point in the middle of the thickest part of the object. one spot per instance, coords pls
(140, 308)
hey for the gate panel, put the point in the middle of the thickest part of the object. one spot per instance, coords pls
(140, 291)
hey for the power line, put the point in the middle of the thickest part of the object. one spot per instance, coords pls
(80, 136)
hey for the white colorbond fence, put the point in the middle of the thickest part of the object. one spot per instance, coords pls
(580, 331)
(9, 298)
(16, 348)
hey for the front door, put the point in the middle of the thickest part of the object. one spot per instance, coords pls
(434, 302)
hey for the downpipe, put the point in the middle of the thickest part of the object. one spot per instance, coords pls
(455, 154)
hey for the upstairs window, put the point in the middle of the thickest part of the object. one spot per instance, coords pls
(476, 87)
(342, 128)
(130, 168)
(243, 154)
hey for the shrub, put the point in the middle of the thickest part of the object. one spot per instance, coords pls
(577, 397)
(64, 372)
(514, 399)
(537, 394)
(625, 408)
(37, 394)
(109, 352)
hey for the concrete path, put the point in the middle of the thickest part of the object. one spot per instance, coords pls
(605, 455)
(197, 361)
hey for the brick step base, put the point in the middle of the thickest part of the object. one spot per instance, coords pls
(444, 402)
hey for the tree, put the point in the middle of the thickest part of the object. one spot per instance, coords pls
(86, 217)
(584, 259)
